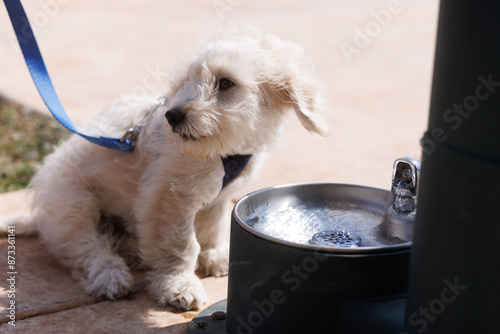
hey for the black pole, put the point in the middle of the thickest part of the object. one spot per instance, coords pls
(454, 282)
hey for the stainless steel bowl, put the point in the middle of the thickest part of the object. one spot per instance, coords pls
(294, 214)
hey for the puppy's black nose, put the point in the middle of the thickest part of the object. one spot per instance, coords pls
(175, 116)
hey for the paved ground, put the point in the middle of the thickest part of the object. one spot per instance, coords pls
(374, 58)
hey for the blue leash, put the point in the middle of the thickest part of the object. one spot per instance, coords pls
(38, 71)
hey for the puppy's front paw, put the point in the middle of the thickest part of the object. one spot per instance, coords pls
(183, 291)
(214, 262)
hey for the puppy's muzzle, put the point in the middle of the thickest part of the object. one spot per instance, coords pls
(175, 117)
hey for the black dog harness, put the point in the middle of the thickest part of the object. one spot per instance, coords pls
(233, 166)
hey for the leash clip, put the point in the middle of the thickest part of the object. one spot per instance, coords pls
(130, 137)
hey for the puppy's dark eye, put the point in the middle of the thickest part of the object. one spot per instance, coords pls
(225, 84)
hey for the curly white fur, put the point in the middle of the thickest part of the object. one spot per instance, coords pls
(100, 211)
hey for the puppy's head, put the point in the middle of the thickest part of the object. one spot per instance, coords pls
(236, 95)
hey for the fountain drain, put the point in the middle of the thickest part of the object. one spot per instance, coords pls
(336, 238)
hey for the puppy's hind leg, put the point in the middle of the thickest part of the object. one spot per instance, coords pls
(71, 234)
(105, 274)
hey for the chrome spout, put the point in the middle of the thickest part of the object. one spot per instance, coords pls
(400, 216)
(405, 175)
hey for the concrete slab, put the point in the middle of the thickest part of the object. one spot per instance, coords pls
(46, 296)
(38, 284)
(134, 315)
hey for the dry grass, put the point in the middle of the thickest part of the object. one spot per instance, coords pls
(26, 137)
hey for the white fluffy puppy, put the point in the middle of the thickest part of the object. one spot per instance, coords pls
(100, 211)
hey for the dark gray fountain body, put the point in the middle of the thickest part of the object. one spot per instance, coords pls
(454, 282)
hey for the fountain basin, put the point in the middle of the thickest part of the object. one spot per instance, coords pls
(281, 280)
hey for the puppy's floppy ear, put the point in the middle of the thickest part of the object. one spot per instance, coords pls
(288, 85)
(306, 101)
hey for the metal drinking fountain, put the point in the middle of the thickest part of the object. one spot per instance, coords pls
(320, 257)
